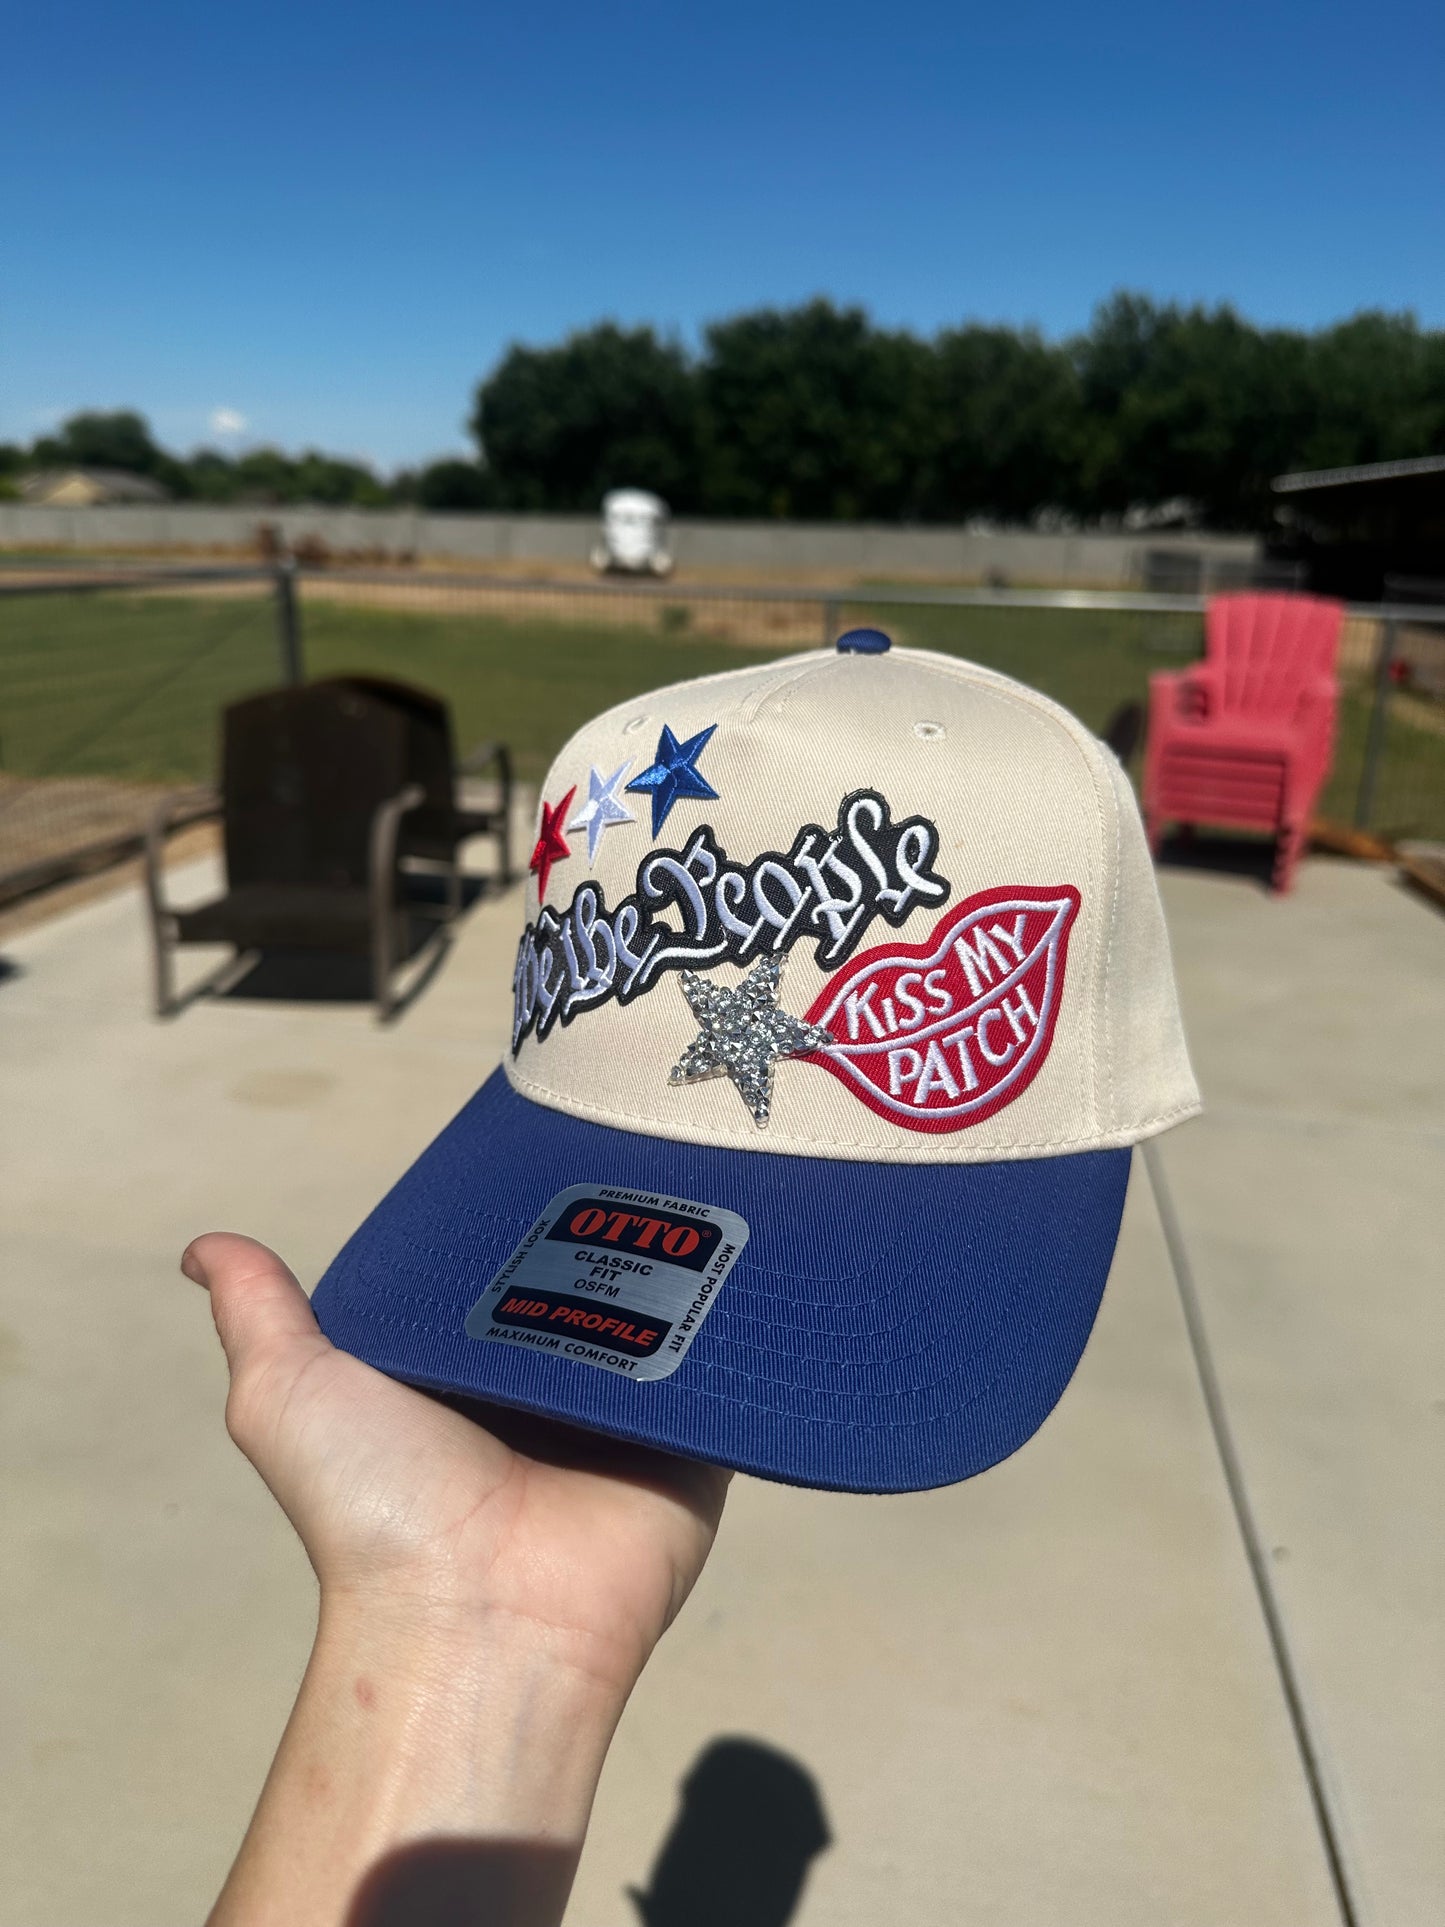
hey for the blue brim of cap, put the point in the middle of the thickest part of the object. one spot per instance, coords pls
(887, 1328)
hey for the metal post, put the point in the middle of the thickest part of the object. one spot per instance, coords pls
(1375, 735)
(830, 624)
(288, 622)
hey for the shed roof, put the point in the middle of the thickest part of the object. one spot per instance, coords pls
(1364, 472)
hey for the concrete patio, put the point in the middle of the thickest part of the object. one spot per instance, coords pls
(1050, 1695)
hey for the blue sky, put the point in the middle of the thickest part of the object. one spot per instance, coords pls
(330, 221)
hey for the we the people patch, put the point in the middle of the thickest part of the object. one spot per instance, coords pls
(942, 1034)
(695, 907)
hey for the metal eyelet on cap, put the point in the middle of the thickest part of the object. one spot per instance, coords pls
(929, 732)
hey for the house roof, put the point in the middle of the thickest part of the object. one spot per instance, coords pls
(109, 484)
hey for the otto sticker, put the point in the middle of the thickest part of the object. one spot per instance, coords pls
(609, 1277)
(942, 1034)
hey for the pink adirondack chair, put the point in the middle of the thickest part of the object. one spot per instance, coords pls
(1245, 737)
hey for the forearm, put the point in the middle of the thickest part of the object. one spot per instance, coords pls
(431, 1769)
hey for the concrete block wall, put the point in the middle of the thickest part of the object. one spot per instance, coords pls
(757, 548)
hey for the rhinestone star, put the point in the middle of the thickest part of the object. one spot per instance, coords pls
(602, 808)
(744, 1033)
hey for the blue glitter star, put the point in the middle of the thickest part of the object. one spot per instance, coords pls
(674, 774)
(602, 809)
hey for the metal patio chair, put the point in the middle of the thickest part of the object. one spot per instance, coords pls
(316, 785)
(436, 829)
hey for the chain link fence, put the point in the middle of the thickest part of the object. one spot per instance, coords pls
(111, 687)
(111, 684)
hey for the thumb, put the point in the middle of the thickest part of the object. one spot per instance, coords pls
(258, 1306)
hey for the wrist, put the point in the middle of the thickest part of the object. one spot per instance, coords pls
(426, 1613)
(526, 1711)
(419, 1725)
(415, 1624)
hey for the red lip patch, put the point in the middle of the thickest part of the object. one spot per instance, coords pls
(942, 1034)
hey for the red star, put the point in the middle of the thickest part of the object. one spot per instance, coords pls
(551, 844)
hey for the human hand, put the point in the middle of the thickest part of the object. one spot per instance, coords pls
(489, 1593)
(412, 1510)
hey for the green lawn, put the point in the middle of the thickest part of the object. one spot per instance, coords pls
(531, 683)
(129, 685)
(125, 685)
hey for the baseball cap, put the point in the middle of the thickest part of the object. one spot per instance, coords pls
(842, 993)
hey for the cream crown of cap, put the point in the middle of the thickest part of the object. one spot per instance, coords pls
(937, 874)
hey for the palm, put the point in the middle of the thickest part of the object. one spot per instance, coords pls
(594, 1541)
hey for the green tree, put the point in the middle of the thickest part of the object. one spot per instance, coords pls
(1377, 388)
(334, 482)
(212, 476)
(1188, 402)
(811, 412)
(608, 408)
(453, 485)
(1006, 426)
(99, 438)
(264, 475)
(267, 476)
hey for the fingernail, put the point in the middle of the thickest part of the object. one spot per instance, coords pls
(192, 1267)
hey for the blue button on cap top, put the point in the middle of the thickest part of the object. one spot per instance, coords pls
(864, 642)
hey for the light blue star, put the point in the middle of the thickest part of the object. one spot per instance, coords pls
(674, 774)
(602, 808)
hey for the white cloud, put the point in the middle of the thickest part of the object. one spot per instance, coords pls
(227, 421)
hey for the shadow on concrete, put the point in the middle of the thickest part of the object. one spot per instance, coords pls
(1250, 858)
(328, 977)
(461, 1883)
(338, 977)
(750, 1824)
